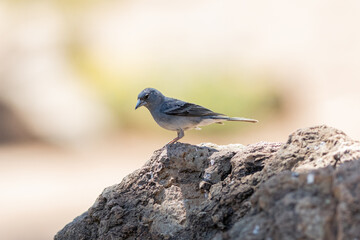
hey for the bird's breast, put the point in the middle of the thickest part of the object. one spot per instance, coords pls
(173, 123)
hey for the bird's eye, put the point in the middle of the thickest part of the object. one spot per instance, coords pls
(146, 96)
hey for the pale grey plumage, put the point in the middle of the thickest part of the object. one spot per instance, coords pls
(177, 115)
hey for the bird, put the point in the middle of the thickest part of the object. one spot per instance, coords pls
(176, 115)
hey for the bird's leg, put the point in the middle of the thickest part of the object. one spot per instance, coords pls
(180, 135)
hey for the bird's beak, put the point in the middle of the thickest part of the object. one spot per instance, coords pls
(139, 103)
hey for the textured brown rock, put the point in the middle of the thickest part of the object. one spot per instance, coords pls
(259, 191)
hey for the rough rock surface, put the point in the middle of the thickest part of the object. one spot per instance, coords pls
(307, 188)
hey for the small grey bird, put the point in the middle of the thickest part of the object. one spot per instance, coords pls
(176, 115)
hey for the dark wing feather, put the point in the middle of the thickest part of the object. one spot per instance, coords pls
(179, 108)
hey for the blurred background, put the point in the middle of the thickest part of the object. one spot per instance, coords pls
(71, 70)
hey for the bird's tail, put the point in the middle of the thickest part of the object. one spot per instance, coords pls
(241, 119)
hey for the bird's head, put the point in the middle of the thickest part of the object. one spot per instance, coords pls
(149, 97)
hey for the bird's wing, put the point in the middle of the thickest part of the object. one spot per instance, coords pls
(180, 108)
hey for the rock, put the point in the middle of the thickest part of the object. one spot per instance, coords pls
(307, 188)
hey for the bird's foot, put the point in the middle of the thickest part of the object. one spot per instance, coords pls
(172, 141)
